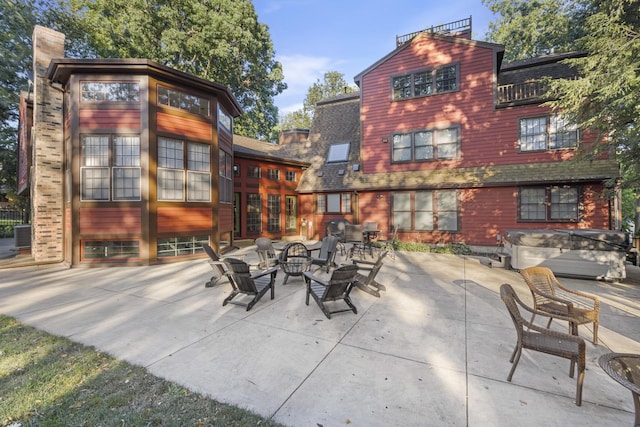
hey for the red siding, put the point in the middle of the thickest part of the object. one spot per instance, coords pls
(117, 221)
(110, 119)
(186, 127)
(180, 218)
(225, 217)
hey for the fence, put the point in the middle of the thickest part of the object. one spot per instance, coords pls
(13, 217)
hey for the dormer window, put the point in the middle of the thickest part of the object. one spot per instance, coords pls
(338, 152)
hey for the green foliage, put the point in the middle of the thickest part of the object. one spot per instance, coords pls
(51, 381)
(451, 248)
(533, 28)
(333, 84)
(607, 97)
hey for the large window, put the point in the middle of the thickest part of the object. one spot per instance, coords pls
(254, 172)
(174, 164)
(426, 210)
(333, 203)
(273, 174)
(110, 168)
(225, 120)
(547, 133)
(425, 82)
(549, 204)
(110, 91)
(273, 212)
(111, 249)
(178, 246)
(421, 145)
(226, 180)
(254, 213)
(183, 101)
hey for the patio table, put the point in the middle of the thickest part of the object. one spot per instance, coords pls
(625, 369)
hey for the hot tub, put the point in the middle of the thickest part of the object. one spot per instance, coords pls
(598, 254)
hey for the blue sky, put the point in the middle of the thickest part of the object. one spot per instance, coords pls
(312, 37)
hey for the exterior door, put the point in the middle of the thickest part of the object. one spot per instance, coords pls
(291, 214)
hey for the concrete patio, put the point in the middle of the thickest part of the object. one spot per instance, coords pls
(433, 350)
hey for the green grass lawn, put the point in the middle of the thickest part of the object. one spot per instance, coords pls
(50, 381)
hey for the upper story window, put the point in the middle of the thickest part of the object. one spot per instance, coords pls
(338, 152)
(254, 172)
(435, 144)
(174, 163)
(225, 120)
(291, 176)
(547, 133)
(110, 91)
(183, 101)
(425, 82)
(273, 174)
(226, 181)
(110, 168)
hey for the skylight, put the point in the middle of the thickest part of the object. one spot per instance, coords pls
(338, 152)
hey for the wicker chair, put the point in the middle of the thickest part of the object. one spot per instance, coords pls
(218, 266)
(533, 337)
(551, 297)
(338, 287)
(365, 279)
(294, 260)
(266, 252)
(244, 283)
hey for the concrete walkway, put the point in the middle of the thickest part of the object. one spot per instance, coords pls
(433, 350)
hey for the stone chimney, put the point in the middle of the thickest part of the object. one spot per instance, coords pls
(47, 183)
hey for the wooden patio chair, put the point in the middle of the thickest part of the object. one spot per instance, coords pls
(337, 288)
(553, 298)
(266, 253)
(366, 276)
(389, 244)
(327, 253)
(537, 338)
(294, 260)
(244, 283)
(354, 235)
(217, 265)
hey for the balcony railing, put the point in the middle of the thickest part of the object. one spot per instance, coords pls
(522, 92)
(462, 26)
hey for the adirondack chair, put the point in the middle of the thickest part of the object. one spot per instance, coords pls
(337, 288)
(217, 265)
(266, 253)
(365, 278)
(244, 283)
(327, 253)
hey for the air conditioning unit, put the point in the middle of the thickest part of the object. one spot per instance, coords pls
(22, 235)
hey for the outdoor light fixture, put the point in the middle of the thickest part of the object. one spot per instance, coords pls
(378, 196)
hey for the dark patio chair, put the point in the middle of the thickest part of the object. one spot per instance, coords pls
(354, 235)
(537, 338)
(389, 244)
(551, 297)
(266, 253)
(337, 288)
(294, 260)
(244, 283)
(366, 277)
(217, 265)
(327, 253)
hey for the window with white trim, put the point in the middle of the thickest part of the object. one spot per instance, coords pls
(273, 212)
(254, 213)
(183, 172)
(426, 210)
(110, 91)
(110, 168)
(333, 203)
(547, 133)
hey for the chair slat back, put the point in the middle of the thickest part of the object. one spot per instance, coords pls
(341, 279)
(508, 296)
(375, 269)
(353, 233)
(241, 275)
(328, 248)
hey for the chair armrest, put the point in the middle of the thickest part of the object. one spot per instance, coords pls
(261, 273)
(542, 313)
(358, 262)
(311, 276)
(595, 299)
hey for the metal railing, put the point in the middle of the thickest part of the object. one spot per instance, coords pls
(521, 92)
(13, 217)
(451, 28)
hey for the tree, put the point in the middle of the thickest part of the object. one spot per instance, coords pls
(533, 28)
(332, 84)
(218, 40)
